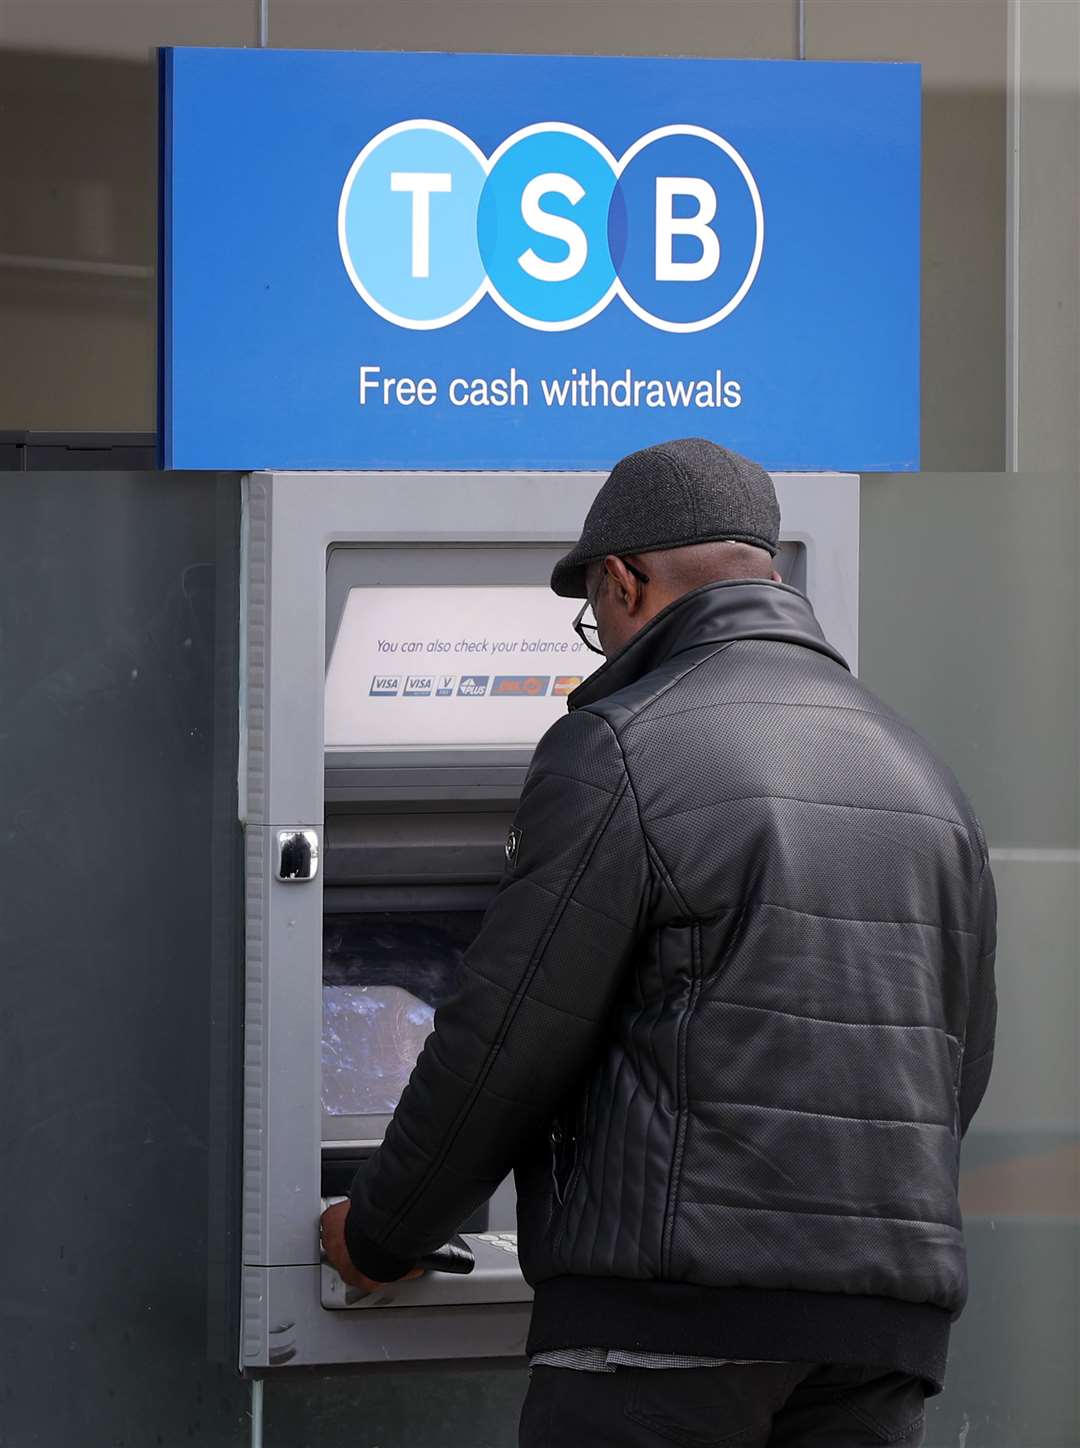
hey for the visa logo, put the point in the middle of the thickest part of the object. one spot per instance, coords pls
(520, 686)
(473, 686)
(445, 687)
(385, 686)
(418, 686)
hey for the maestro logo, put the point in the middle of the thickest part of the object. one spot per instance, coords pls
(551, 226)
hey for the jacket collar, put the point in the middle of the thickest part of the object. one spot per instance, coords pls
(719, 613)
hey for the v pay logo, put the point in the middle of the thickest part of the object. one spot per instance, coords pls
(552, 226)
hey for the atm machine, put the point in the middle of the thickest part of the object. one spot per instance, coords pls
(401, 654)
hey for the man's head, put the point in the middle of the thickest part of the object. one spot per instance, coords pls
(669, 519)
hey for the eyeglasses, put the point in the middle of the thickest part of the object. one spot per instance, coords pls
(588, 632)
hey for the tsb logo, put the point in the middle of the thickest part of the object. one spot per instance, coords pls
(551, 226)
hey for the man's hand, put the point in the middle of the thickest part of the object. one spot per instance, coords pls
(332, 1232)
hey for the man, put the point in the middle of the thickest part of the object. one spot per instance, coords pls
(728, 1016)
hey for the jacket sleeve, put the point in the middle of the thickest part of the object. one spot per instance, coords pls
(982, 1007)
(528, 1019)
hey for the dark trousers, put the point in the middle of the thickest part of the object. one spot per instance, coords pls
(752, 1405)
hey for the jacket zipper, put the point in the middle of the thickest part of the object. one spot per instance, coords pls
(563, 1190)
(578, 1160)
(680, 1102)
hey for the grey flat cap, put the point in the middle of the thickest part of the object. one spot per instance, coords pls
(670, 496)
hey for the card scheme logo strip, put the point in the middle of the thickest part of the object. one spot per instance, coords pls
(471, 686)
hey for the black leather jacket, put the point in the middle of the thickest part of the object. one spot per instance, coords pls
(728, 1016)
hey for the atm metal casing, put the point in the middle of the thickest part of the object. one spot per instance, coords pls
(503, 527)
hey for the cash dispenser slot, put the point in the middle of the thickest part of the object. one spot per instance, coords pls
(427, 847)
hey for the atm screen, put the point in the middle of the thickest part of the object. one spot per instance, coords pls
(384, 975)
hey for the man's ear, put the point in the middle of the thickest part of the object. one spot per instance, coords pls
(629, 589)
(616, 576)
(775, 577)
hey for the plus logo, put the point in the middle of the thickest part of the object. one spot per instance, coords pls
(552, 226)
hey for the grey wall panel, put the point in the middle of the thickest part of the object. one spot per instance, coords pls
(80, 336)
(597, 27)
(125, 27)
(110, 630)
(469, 1408)
(970, 617)
(961, 45)
(969, 608)
(1044, 224)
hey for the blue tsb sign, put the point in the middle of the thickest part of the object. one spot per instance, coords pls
(436, 261)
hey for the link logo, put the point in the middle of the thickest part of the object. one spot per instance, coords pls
(520, 686)
(552, 226)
